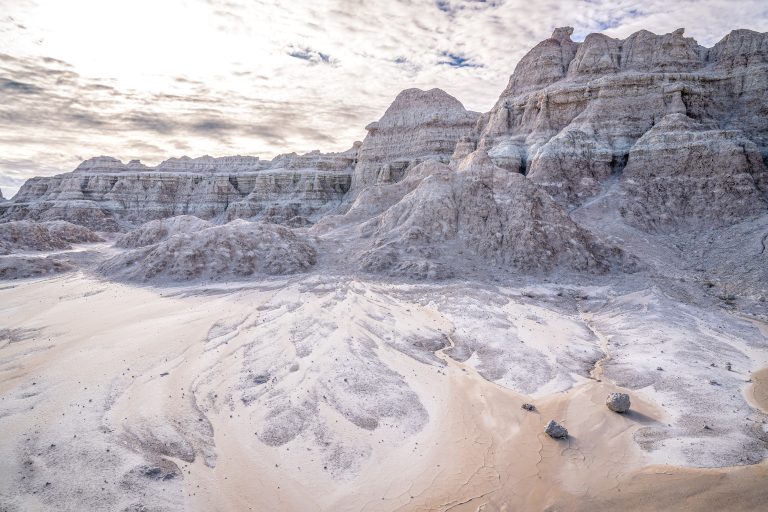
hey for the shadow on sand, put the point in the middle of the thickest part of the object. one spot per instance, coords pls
(639, 417)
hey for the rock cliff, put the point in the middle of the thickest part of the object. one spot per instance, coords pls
(572, 122)
(105, 194)
(419, 125)
(682, 174)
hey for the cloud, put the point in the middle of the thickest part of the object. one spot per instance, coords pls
(12, 86)
(150, 80)
(310, 55)
(452, 7)
(52, 123)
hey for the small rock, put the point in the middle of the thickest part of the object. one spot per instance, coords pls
(659, 368)
(555, 430)
(728, 366)
(529, 407)
(618, 402)
(167, 472)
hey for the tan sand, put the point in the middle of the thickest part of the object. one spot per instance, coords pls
(758, 391)
(659, 488)
(479, 450)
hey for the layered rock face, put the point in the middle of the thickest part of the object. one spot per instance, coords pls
(299, 190)
(544, 64)
(682, 174)
(108, 164)
(573, 120)
(419, 125)
(209, 164)
(105, 194)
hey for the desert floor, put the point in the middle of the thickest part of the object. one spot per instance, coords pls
(322, 393)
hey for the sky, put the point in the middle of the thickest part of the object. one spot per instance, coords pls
(152, 79)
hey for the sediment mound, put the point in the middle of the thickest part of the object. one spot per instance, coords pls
(20, 267)
(42, 236)
(482, 210)
(235, 250)
(156, 231)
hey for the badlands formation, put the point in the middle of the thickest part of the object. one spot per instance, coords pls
(393, 327)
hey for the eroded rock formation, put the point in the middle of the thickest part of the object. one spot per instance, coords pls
(664, 134)
(419, 125)
(107, 195)
(574, 120)
(478, 209)
(682, 174)
(42, 236)
(234, 250)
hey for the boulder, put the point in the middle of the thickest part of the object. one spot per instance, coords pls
(555, 430)
(618, 402)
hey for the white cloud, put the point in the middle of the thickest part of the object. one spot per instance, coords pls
(156, 79)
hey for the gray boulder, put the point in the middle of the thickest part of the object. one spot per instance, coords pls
(618, 402)
(555, 430)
